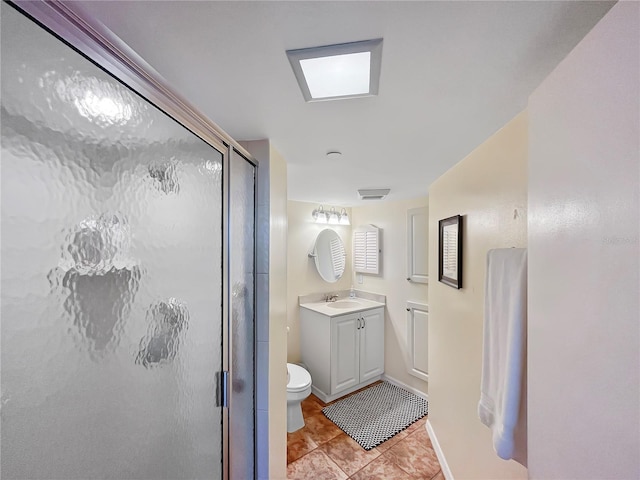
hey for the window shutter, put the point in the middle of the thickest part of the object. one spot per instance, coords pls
(366, 250)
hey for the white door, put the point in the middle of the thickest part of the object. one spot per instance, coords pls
(344, 352)
(372, 344)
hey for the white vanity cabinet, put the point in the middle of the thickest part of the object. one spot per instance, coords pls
(343, 352)
(357, 349)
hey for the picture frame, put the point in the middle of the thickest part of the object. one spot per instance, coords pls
(450, 251)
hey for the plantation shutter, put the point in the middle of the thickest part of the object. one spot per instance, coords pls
(366, 250)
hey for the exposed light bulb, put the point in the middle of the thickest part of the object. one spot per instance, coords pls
(319, 215)
(333, 217)
(344, 218)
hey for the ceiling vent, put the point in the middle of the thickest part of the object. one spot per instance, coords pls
(373, 193)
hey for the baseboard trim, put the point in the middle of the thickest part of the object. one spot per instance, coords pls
(446, 471)
(400, 384)
(330, 398)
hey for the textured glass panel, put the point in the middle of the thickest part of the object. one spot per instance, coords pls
(242, 316)
(111, 275)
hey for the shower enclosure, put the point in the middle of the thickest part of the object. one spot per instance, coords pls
(127, 281)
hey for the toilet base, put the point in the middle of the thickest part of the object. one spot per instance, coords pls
(295, 420)
(298, 388)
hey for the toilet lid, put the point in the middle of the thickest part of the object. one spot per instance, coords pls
(299, 378)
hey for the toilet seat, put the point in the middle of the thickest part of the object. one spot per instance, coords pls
(299, 378)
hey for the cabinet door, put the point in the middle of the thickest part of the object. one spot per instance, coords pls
(372, 344)
(417, 245)
(344, 352)
(418, 340)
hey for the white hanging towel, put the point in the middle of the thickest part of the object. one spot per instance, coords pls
(502, 405)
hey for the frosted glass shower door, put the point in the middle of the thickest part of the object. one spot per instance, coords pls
(111, 251)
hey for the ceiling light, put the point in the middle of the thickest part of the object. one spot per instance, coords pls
(337, 76)
(373, 193)
(334, 154)
(347, 70)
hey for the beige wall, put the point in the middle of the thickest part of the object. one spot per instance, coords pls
(486, 188)
(391, 217)
(278, 317)
(584, 339)
(271, 311)
(302, 276)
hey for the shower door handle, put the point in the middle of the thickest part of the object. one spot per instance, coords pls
(222, 393)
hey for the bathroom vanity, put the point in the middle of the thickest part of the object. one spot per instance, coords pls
(342, 345)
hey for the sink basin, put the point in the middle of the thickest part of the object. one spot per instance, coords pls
(344, 304)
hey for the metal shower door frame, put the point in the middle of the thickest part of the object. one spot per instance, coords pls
(101, 46)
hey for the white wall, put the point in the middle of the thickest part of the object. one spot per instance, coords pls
(391, 217)
(584, 345)
(486, 188)
(302, 276)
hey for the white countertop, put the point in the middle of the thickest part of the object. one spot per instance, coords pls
(342, 306)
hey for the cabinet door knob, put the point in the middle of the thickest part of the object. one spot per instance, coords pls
(364, 322)
(358, 327)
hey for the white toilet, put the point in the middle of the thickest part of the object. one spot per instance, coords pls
(298, 388)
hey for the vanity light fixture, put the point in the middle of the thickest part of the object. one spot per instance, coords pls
(319, 215)
(346, 70)
(334, 218)
(344, 218)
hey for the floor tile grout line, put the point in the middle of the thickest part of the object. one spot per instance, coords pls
(313, 450)
(396, 464)
(332, 461)
(326, 455)
(319, 445)
(385, 456)
(363, 467)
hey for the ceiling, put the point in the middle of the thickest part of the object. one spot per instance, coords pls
(453, 73)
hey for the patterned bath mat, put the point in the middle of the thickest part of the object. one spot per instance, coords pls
(377, 413)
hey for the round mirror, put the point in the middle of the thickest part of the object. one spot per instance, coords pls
(329, 255)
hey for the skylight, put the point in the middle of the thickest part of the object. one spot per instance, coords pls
(340, 71)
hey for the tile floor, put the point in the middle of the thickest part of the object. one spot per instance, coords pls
(321, 451)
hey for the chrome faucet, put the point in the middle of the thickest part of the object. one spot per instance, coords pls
(330, 298)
